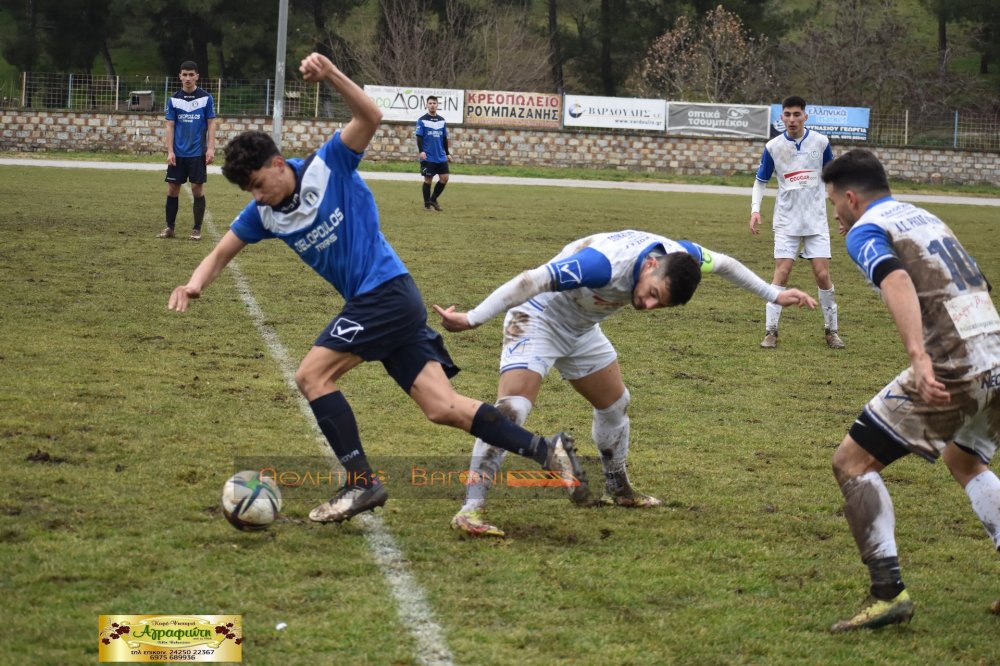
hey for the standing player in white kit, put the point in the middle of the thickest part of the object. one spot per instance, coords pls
(797, 157)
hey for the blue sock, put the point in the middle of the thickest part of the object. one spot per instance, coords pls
(491, 426)
(336, 420)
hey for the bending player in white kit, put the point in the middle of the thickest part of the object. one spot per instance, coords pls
(554, 319)
(798, 157)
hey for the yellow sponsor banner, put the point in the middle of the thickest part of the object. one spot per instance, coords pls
(512, 109)
(170, 638)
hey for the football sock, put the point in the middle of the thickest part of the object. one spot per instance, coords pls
(868, 509)
(887, 581)
(438, 189)
(829, 306)
(984, 491)
(172, 204)
(610, 431)
(427, 193)
(336, 419)
(772, 313)
(483, 470)
(199, 211)
(490, 425)
(486, 459)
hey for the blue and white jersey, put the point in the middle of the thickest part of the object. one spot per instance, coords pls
(594, 277)
(331, 221)
(433, 133)
(961, 326)
(800, 208)
(190, 113)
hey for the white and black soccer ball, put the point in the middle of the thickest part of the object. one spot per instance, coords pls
(250, 501)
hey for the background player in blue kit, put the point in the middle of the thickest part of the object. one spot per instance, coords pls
(800, 226)
(554, 319)
(946, 403)
(432, 142)
(322, 209)
(190, 139)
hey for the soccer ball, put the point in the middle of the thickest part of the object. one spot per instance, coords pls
(250, 501)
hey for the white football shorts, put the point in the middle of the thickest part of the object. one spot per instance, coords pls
(531, 342)
(926, 429)
(816, 246)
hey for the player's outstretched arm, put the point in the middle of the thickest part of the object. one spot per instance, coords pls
(514, 292)
(735, 272)
(366, 117)
(901, 298)
(209, 269)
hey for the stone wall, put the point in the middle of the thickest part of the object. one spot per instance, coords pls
(635, 151)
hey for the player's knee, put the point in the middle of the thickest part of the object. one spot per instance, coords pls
(442, 412)
(850, 460)
(616, 412)
(514, 407)
(964, 464)
(306, 381)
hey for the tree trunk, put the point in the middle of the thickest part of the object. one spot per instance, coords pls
(607, 80)
(942, 42)
(555, 52)
(109, 65)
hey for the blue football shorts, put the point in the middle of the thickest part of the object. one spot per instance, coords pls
(389, 324)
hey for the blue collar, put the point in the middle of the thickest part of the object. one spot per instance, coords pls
(878, 201)
(798, 144)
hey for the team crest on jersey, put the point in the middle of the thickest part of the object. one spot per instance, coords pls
(310, 197)
(569, 273)
(345, 329)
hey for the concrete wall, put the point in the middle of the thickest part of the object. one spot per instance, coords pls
(637, 151)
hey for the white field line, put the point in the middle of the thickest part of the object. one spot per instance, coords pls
(509, 180)
(411, 602)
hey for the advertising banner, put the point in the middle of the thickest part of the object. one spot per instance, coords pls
(397, 103)
(512, 109)
(717, 119)
(836, 122)
(614, 112)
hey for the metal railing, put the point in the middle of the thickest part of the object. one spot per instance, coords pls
(233, 97)
(255, 97)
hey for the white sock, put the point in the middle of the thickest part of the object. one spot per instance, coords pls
(829, 306)
(486, 459)
(984, 491)
(610, 431)
(868, 509)
(772, 313)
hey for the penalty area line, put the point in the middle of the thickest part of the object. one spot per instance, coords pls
(411, 601)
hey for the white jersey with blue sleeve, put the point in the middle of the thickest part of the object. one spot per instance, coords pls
(800, 207)
(331, 221)
(960, 322)
(594, 277)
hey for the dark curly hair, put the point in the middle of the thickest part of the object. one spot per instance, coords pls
(683, 274)
(246, 153)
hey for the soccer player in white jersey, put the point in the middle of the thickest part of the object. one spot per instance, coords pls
(322, 209)
(800, 226)
(553, 320)
(946, 404)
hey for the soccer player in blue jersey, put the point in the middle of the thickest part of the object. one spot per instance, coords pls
(946, 403)
(553, 320)
(432, 142)
(322, 209)
(797, 157)
(190, 142)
